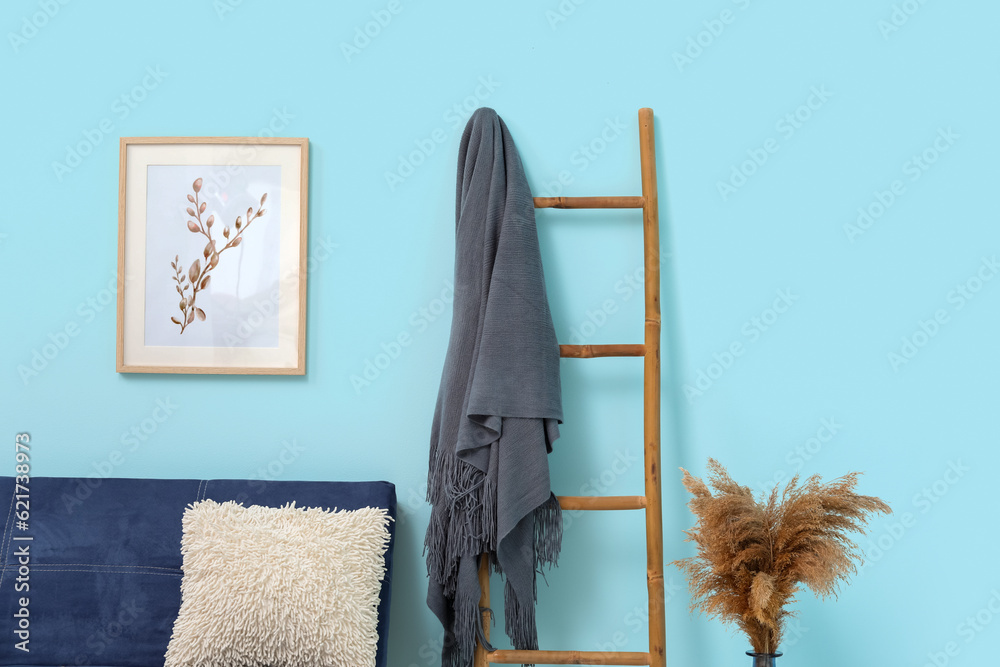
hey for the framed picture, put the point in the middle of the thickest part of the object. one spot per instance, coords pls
(212, 255)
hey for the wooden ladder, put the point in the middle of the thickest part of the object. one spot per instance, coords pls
(651, 501)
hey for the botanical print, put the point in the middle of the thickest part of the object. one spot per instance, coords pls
(212, 256)
(197, 277)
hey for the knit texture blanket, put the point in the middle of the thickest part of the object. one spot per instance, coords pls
(499, 404)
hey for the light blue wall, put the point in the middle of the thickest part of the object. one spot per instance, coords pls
(885, 96)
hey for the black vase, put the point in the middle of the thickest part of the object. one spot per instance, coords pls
(764, 659)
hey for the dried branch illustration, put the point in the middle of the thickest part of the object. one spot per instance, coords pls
(754, 553)
(197, 277)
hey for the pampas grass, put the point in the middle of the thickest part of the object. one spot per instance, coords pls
(754, 553)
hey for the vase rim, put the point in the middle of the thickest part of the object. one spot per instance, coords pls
(776, 654)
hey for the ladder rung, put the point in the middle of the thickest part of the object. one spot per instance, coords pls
(592, 351)
(588, 202)
(602, 502)
(568, 657)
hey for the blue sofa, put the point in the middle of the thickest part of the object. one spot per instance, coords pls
(104, 573)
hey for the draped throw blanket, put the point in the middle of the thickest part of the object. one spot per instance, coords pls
(499, 404)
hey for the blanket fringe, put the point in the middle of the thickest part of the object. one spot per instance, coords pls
(462, 650)
(548, 533)
(469, 528)
(519, 620)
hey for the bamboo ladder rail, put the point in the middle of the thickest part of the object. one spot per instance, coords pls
(650, 502)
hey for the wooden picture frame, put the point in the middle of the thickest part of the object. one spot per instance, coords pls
(212, 255)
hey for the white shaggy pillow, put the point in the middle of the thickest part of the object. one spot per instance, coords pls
(279, 587)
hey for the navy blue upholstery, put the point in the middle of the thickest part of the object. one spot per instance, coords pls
(105, 561)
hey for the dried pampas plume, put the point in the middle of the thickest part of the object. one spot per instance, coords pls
(753, 554)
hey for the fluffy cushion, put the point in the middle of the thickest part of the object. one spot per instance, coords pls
(279, 586)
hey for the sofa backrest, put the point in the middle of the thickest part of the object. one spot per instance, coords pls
(104, 573)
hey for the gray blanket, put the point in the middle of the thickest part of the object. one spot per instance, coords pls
(499, 404)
